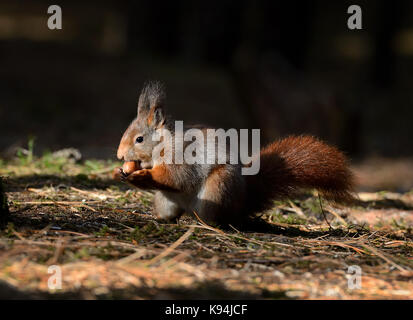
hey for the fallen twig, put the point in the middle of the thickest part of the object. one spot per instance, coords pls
(172, 247)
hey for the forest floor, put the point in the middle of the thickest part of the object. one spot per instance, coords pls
(71, 219)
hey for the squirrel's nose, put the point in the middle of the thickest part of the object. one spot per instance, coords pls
(121, 153)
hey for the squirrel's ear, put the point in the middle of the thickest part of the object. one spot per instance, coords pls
(151, 102)
(156, 117)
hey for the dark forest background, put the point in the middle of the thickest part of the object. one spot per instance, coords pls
(286, 67)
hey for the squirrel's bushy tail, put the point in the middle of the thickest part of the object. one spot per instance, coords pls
(299, 162)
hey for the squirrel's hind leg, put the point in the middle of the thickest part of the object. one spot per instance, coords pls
(220, 201)
(165, 208)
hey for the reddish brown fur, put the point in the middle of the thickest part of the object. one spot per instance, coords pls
(299, 162)
(215, 182)
(162, 176)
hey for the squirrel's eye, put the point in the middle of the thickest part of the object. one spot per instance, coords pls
(139, 139)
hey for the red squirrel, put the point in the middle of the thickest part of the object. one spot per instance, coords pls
(219, 193)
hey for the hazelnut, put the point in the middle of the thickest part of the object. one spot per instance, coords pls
(129, 167)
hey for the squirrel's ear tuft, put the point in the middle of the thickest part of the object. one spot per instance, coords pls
(151, 99)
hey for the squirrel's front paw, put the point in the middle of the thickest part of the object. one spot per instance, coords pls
(140, 178)
(118, 174)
